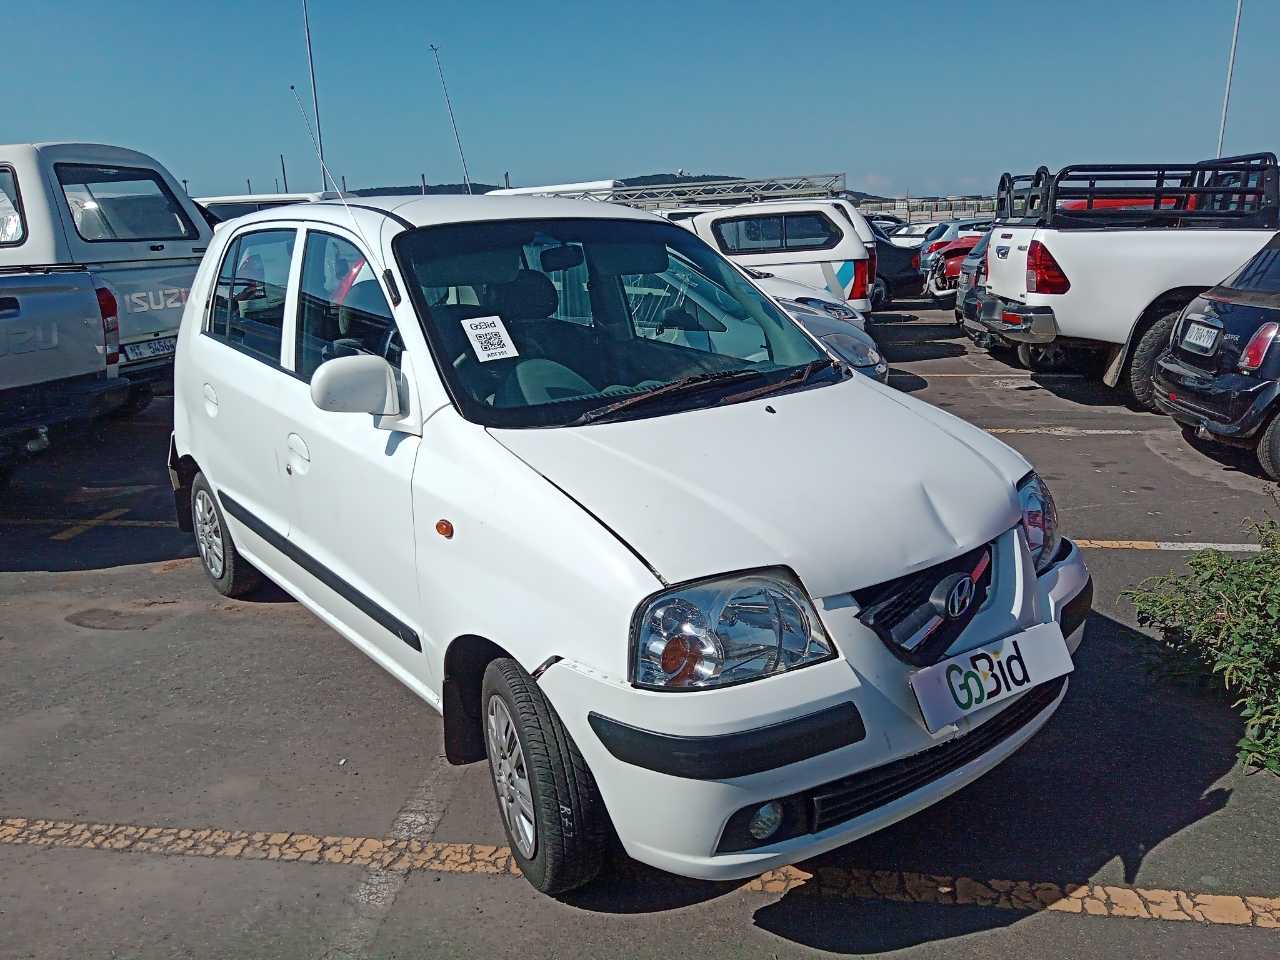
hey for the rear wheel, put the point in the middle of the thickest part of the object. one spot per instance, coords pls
(1142, 365)
(1035, 357)
(1269, 449)
(232, 574)
(551, 809)
(880, 294)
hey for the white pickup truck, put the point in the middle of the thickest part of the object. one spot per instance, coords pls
(1100, 259)
(89, 231)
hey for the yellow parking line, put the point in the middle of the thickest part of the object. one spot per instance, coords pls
(87, 525)
(1173, 545)
(1092, 899)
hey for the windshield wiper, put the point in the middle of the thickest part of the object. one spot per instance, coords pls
(798, 376)
(698, 381)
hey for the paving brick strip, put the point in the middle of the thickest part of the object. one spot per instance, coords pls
(407, 856)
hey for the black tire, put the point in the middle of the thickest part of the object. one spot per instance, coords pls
(1142, 365)
(570, 824)
(1269, 449)
(234, 576)
(139, 399)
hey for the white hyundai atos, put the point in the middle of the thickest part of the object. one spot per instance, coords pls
(569, 476)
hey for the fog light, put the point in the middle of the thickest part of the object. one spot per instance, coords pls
(765, 822)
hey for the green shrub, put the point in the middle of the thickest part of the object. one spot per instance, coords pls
(1225, 615)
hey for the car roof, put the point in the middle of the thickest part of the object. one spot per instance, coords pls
(416, 210)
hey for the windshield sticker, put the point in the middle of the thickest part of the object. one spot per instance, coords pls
(489, 338)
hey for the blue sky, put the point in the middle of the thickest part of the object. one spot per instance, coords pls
(902, 96)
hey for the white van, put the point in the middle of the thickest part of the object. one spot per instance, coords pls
(230, 206)
(119, 215)
(626, 567)
(815, 242)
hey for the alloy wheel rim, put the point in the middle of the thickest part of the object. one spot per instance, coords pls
(209, 535)
(511, 778)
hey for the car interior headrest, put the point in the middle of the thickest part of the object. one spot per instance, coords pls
(529, 296)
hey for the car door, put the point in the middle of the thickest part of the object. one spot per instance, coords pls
(349, 482)
(232, 393)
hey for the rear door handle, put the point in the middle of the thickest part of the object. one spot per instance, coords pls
(210, 400)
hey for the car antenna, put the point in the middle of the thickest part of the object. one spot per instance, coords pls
(386, 273)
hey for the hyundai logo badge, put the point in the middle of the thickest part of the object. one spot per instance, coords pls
(959, 598)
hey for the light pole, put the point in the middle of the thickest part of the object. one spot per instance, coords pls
(1231, 69)
(315, 100)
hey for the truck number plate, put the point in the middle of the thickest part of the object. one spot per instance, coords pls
(150, 348)
(1199, 337)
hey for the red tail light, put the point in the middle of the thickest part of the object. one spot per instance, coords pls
(915, 261)
(110, 328)
(873, 261)
(1043, 273)
(1256, 350)
(859, 289)
(936, 245)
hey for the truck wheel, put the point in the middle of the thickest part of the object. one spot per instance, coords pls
(551, 810)
(1142, 365)
(232, 574)
(880, 294)
(139, 399)
(1037, 358)
(1269, 449)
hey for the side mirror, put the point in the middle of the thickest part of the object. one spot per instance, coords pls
(356, 384)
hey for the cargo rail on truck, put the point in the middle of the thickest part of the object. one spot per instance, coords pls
(1229, 192)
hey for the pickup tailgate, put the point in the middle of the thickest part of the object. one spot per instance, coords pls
(1007, 261)
(151, 295)
(50, 328)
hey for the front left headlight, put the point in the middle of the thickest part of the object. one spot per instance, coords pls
(852, 350)
(839, 311)
(1039, 520)
(725, 631)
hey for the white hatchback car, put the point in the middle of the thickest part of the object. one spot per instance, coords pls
(693, 579)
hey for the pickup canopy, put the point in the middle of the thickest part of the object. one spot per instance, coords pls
(1241, 192)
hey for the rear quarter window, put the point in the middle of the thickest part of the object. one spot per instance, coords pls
(777, 233)
(13, 226)
(122, 204)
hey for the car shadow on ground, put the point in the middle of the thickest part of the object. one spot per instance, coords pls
(1089, 793)
(1230, 458)
(902, 339)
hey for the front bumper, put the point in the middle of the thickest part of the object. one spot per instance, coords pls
(1231, 407)
(670, 794)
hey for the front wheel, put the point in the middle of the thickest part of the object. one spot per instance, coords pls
(551, 809)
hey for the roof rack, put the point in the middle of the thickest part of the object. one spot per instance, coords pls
(1242, 192)
(663, 195)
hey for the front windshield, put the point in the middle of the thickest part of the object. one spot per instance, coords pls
(547, 322)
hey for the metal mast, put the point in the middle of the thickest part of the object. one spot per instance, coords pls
(1231, 69)
(466, 177)
(315, 100)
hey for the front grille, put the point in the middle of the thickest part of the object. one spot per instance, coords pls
(842, 800)
(911, 621)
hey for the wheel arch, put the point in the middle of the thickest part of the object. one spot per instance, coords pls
(1173, 299)
(465, 661)
(182, 472)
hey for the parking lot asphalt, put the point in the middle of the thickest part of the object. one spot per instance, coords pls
(183, 775)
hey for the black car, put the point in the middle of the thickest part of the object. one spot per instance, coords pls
(1220, 376)
(897, 271)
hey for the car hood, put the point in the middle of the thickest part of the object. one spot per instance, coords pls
(848, 485)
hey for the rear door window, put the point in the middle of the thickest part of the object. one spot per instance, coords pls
(122, 203)
(13, 228)
(810, 231)
(248, 302)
